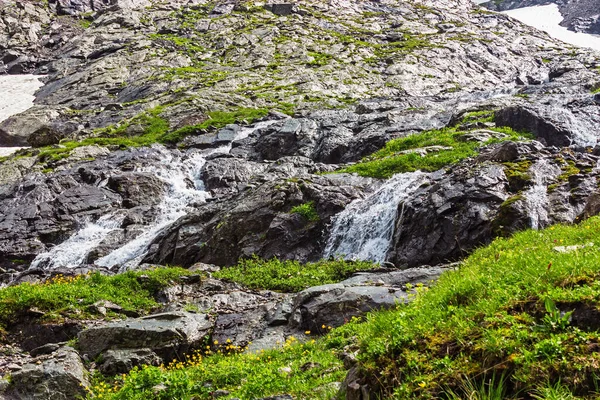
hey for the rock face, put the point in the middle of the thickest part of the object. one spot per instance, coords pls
(257, 106)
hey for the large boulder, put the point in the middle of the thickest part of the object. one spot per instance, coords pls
(509, 187)
(335, 304)
(57, 376)
(169, 335)
(558, 120)
(33, 127)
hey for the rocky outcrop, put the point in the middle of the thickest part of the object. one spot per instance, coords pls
(507, 188)
(260, 221)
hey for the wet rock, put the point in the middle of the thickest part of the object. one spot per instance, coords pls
(258, 222)
(228, 173)
(559, 123)
(137, 188)
(60, 376)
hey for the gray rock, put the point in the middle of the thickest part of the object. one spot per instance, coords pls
(170, 335)
(32, 127)
(282, 8)
(335, 304)
(62, 376)
(122, 361)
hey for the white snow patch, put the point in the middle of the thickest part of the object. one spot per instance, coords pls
(547, 19)
(17, 94)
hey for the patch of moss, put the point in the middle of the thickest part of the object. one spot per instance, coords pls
(69, 297)
(517, 174)
(397, 157)
(155, 129)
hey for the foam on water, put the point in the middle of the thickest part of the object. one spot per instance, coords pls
(364, 230)
(74, 251)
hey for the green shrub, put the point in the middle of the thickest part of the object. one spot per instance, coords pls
(307, 211)
(305, 371)
(290, 276)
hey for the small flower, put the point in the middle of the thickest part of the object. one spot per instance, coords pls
(307, 333)
(422, 384)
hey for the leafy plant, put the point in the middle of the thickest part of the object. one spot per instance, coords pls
(303, 370)
(488, 389)
(555, 320)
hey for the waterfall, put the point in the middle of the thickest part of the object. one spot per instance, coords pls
(181, 173)
(178, 174)
(74, 251)
(536, 197)
(364, 230)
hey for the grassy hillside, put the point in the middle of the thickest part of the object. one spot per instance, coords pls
(518, 319)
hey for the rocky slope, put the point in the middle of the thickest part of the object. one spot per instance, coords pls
(197, 133)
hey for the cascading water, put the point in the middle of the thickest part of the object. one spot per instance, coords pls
(364, 230)
(177, 171)
(74, 251)
(536, 197)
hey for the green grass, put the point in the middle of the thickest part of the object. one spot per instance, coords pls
(155, 130)
(63, 297)
(498, 327)
(307, 211)
(290, 276)
(305, 371)
(504, 312)
(388, 161)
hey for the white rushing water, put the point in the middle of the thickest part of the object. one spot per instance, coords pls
(74, 251)
(178, 174)
(548, 19)
(536, 197)
(181, 173)
(364, 230)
